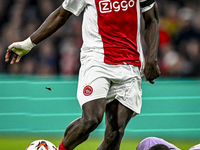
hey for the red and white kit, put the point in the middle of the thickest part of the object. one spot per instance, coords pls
(111, 41)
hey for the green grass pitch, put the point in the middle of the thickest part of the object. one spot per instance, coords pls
(20, 143)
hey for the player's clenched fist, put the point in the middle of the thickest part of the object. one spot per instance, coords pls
(17, 50)
(151, 72)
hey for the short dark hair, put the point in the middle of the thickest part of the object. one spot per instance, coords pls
(159, 147)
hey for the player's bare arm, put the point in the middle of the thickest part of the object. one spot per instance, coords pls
(55, 20)
(151, 70)
(156, 11)
(51, 25)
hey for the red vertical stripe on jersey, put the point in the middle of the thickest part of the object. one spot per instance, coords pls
(118, 27)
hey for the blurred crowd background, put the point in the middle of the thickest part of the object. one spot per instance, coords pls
(179, 46)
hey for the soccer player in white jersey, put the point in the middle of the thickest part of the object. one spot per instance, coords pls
(111, 63)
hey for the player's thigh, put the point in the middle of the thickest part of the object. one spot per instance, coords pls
(94, 109)
(117, 115)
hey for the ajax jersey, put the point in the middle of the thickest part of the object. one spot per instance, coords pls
(111, 29)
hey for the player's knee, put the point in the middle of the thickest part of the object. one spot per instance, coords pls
(91, 123)
(121, 131)
(113, 135)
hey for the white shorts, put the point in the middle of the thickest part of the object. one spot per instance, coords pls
(101, 80)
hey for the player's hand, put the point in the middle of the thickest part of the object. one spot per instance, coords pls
(17, 50)
(151, 71)
(10, 55)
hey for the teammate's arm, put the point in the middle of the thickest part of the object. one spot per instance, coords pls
(55, 20)
(151, 70)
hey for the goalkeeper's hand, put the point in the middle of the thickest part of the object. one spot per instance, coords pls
(17, 50)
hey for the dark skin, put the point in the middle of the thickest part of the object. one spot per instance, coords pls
(151, 69)
(117, 115)
(117, 118)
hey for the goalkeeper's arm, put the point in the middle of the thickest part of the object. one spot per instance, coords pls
(55, 20)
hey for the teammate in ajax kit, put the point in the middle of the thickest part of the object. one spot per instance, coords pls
(112, 63)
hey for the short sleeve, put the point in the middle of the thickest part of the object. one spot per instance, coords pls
(74, 6)
(146, 5)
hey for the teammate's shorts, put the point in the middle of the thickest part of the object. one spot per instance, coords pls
(101, 80)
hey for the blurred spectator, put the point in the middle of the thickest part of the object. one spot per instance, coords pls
(179, 29)
(69, 56)
(46, 58)
(2, 62)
